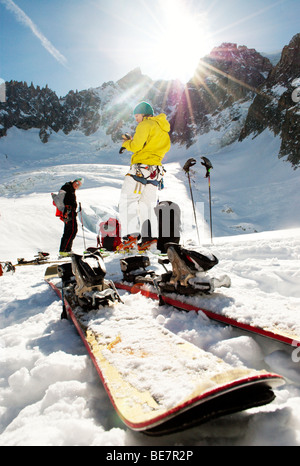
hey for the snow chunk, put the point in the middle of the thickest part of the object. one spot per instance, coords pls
(240, 350)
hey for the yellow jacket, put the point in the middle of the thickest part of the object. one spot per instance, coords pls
(151, 141)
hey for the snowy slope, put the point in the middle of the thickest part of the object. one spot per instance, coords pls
(252, 190)
(49, 391)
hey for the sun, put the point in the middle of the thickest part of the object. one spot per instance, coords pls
(182, 41)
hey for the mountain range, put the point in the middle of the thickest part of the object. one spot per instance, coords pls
(233, 87)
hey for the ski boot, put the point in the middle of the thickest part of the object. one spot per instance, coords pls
(128, 244)
(150, 245)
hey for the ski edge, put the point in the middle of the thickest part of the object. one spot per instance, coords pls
(138, 288)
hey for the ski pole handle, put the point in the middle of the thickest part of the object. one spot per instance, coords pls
(208, 165)
(188, 164)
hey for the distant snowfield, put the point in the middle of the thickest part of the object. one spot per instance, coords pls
(50, 393)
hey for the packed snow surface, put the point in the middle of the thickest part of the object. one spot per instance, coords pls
(50, 393)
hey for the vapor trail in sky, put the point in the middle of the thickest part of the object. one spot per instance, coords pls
(25, 20)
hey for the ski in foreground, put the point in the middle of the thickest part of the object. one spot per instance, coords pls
(191, 386)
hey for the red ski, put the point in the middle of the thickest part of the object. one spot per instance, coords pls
(275, 333)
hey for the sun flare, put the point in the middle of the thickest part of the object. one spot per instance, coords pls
(183, 40)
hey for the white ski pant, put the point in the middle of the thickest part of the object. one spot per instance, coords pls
(136, 208)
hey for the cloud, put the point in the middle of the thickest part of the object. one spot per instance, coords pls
(24, 19)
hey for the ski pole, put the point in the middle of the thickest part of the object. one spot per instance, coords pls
(188, 164)
(80, 210)
(207, 164)
(64, 314)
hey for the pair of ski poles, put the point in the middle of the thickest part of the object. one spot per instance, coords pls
(207, 164)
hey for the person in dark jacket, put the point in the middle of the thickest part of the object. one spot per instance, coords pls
(67, 195)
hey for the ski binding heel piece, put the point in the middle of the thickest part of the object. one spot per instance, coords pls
(134, 269)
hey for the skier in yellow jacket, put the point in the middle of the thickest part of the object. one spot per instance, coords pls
(149, 145)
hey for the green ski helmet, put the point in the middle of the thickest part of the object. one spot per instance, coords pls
(144, 108)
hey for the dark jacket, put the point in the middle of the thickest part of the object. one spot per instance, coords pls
(70, 196)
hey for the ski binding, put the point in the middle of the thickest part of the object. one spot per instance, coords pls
(84, 284)
(187, 277)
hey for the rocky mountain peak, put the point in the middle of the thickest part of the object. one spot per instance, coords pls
(288, 67)
(227, 75)
(133, 77)
(238, 64)
(232, 53)
(274, 106)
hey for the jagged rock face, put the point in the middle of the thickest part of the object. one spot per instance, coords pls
(238, 69)
(80, 111)
(30, 107)
(288, 67)
(227, 75)
(277, 107)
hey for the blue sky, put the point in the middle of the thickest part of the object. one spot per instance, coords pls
(77, 44)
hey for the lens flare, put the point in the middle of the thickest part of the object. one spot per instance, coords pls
(182, 40)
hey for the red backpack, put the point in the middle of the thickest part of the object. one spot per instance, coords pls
(109, 234)
(58, 203)
(58, 213)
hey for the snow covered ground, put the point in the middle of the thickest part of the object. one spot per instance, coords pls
(50, 393)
